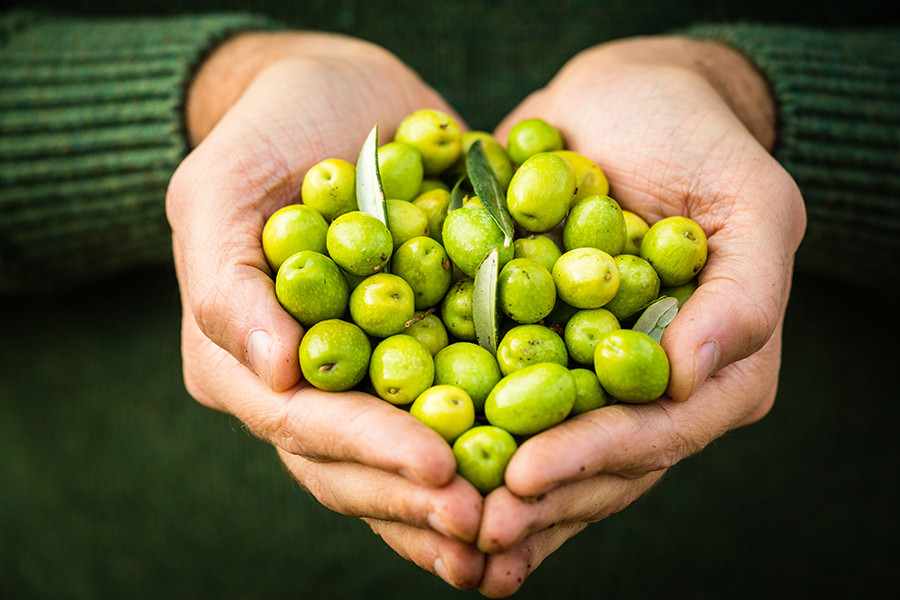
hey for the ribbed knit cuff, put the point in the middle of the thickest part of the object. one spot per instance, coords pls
(838, 103)
(91, 130)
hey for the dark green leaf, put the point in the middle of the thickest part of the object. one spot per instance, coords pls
(457, 194)
(488, 190)
(656, 317)
(484, 301)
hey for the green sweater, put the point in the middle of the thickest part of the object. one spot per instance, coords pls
(91, 125)
(115, 484)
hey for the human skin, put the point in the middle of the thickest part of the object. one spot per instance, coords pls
(687, 131)
(262, 110)
(680, 127)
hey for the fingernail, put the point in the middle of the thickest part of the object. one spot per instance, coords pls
(258, 353)
(705, 363)
(437, 523)
(441, 571)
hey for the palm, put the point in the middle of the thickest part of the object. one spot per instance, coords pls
(669, 145)
(357, 454)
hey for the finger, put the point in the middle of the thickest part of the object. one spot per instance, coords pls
(459, 564)
(749, 207)
(355, 490)
(347, 426)
(217, 209)
(633, 440)
(218, 201)
(237, 306)
(505, 573)
(508, 519)
(251, 164)
(743, 292)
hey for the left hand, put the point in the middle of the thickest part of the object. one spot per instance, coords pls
(263, 109)
(681, 127)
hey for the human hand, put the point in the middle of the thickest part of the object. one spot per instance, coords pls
(262, 110)
(681, 127)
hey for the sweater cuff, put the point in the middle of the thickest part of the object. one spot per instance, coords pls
(91, 130)
(838, 106)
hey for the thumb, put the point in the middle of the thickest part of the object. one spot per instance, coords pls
(741, 298)
(251, 164)
(217, 217)
(239, 312)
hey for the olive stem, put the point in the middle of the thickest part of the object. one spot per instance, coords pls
(421, 316)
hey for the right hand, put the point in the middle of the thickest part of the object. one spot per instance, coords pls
(682, 127)
(262, 110)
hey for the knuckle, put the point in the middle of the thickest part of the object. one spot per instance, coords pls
(793, 209)
(282, 427)
(752, 314)
(198, 371)
(293, 427)
(195, 388)
(208, 307)
(308, 475)
(683, 439)
(393, 508)
(760, 318)
(760, 410)
(175, 194)
(762, 378)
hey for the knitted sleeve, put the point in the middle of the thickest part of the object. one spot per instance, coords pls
(838, 103)
(91, 130)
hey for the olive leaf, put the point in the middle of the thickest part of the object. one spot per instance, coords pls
(457, 195)
(488, 190)
(369, 189)
(484, 301)
(656, 317)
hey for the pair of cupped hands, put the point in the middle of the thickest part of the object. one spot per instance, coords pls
(680, 127)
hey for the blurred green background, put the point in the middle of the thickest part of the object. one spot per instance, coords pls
(484, 57)
(115, 484)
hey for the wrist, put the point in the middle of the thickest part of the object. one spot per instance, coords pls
(739, 83)
(231, 68)
(220, 81)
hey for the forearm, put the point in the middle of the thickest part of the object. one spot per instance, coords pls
(228, 71)
(826, 105)
(91, 115)
(838, 134)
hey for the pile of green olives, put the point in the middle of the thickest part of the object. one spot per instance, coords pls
(388, 303)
